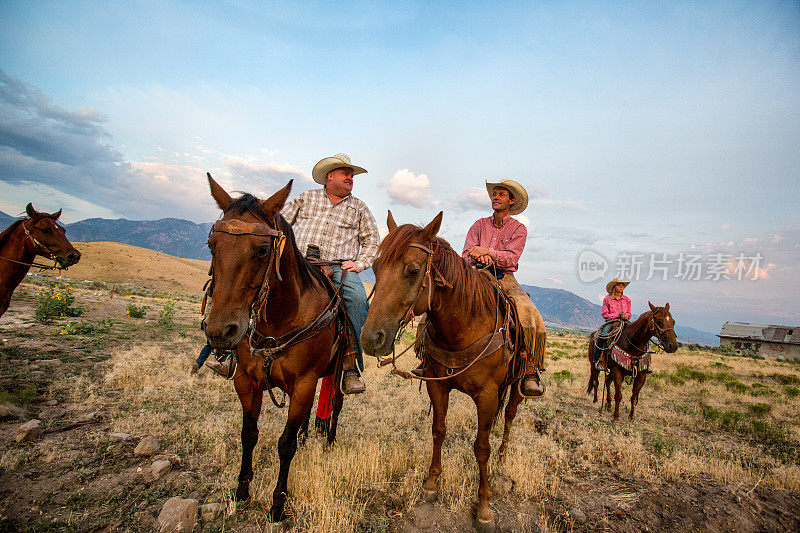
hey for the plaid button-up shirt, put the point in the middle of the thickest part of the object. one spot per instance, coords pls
(343, 231)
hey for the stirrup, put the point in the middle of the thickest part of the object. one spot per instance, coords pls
(356, 385)
(537, 375)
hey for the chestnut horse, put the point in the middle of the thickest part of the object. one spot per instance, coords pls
(259, 274)
(634, 339)
(418, 272)
(22, 241)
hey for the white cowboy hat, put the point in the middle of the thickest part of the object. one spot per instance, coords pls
(322, 168)
(613, 283)
(519, 192)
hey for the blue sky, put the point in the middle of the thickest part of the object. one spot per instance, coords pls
(636, 127)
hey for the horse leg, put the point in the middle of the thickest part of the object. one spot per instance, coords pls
(486, 403)
(302, 433)
(301, 400)
(607, 384)
(440, 397)
(338, 399)
(617, 392)
(514, 400)
(250, 398)
(638, 383)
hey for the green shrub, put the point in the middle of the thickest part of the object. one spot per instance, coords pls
(786, 379)
(136, 311)
(56, 301)
(86, 328)
(563, 375)
(166, 318)
(759, 409)
(686, 373)
(792, 392)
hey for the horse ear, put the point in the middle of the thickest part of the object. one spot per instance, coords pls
(57, 214)
(652, 307)
(273, 205)
(666, 307)
(30, 210)
(222, 198)
(392, 225)
(430, 231)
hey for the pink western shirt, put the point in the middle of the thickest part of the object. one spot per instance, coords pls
(505, 242)
(612, 307)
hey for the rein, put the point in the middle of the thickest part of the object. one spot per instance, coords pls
(261, 345)
(428, 279)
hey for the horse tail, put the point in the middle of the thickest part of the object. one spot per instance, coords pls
(502, 397)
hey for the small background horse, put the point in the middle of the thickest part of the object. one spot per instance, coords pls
(22, 241)
(416, 271)
(259, 273)
(634, 339)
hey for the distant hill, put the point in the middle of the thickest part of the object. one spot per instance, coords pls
(185, 239)
(173, 236)
(113, 262)
(5, 220)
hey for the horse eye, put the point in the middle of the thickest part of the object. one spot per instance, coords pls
(46, 231)
(412, 271)
(263, 251)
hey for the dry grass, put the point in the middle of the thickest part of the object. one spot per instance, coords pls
(376, 468)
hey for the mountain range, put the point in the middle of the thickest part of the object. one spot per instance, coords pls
(182, 238)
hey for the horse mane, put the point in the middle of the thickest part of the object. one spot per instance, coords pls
(6, 234)
(471, 287)
(247, 203)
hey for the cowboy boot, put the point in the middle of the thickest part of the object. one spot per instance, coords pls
(225, 367)
(532, 384)
(351, 377)
(420, 370)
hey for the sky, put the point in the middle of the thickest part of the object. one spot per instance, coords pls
(661, 133)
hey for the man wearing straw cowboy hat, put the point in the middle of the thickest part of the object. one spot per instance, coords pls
(330, 224)
(499, 240)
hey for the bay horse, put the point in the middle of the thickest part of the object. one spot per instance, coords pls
(417, 272)
(634, 359)
(282, 317)
(26, 238)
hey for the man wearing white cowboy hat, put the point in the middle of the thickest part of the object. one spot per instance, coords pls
(499, 240)
(334, 225)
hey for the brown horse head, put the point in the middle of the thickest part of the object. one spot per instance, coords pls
(243, 243)
(47, 238)
(400, 272)
(662, 326)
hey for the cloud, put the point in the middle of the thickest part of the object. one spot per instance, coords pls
(407, 188)
(555, 281)
(69, 152)
(525, 221)
(726, 227)
(473, 198)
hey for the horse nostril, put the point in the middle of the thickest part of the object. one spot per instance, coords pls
(73, 257)
(230, 330)
(380, 336)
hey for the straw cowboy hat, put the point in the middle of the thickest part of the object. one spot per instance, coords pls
(322, 168)
(613, 283)
(519, 192)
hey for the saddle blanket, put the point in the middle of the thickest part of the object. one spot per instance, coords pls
(630, 362)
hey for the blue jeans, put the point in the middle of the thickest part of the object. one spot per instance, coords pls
(355, 302)
(204, 353)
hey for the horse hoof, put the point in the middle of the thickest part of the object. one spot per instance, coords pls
(242, 494)
(430, 496)
(277, 514)
(485, 526)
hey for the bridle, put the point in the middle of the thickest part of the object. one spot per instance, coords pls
(431, 276)
(50, 255)
(240, 228)
(655, 331)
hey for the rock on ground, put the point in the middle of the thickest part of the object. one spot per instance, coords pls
(209, 511)
(30, 430)
(178, 515)
(160, 468)
(147, 447)
(117, 437)
(9, 412)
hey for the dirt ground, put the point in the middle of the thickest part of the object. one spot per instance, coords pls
(679, 467)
